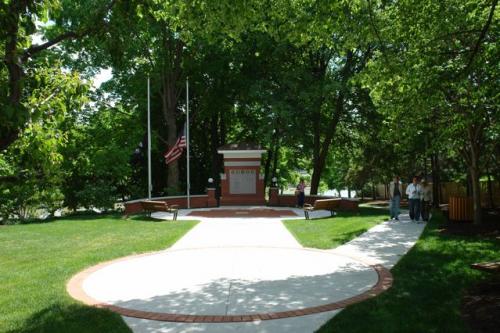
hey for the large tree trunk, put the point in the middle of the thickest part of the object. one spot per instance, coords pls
(319, 161)
(8, 134)
(436, 181)
(317, 166)
(267, 165)
(321, 154)
(272, 156)
(318, 62)
(276, 155)
(169, 105)
(490, 190)
(171, 73)
(472, 153)
(476, 195)
(217, 130)
(214, 145)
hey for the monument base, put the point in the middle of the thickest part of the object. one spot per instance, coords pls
(242, 200)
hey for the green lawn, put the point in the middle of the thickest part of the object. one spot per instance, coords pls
(327, 233)
(428, 286)
(37, 260)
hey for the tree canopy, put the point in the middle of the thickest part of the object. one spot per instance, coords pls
(348, 92)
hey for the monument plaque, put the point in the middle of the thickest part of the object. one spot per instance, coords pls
(242, 181)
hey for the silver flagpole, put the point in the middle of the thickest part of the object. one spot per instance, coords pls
(150, 185)
(187, 145)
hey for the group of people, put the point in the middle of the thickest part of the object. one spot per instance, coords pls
(419, 199)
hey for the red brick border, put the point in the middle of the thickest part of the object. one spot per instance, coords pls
(243, 212)
(75, 289)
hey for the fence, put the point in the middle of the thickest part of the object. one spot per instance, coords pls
(452, 189)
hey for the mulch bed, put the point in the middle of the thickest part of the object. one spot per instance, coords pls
(481, 306)
(490, 227)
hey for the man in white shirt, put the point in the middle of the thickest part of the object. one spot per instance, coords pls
(395, 194)
(414, 193)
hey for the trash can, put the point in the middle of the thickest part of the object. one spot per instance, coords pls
(460, 209)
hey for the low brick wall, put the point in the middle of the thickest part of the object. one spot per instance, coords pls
(208, 200)
(196, 201)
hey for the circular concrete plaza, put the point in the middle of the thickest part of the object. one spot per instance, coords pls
(229, 284)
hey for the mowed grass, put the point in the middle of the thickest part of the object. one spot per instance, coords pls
(429, 283)
(327, 233)
(37, 260)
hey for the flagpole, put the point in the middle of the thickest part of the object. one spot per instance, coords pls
(187, 145)
(149, 145)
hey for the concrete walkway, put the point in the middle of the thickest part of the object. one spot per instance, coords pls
(243, 266)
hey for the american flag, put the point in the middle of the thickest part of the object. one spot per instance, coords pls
(176, 150)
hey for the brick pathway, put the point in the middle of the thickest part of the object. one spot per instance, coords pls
(249, 213)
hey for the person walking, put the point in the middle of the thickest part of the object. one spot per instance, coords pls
(414, 192)
(299, 192)
(426, 200)
(395, 194)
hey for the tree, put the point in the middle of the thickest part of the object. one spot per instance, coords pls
(32, 166)
(444, 68)
(19, 26)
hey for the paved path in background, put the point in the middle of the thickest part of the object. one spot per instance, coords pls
(232, 266)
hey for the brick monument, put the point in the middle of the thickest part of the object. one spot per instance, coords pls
(242, 183)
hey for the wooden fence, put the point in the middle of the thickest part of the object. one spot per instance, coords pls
(451, 189)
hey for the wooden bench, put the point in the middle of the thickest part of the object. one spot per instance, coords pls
(490, 267)
(324, 204)
(159, 206)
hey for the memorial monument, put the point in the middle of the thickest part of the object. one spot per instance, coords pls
(242, 183)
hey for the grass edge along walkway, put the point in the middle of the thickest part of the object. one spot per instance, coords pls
(429, 282)
(330, 232)
(37, 260)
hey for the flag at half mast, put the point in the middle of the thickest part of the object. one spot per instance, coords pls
(176, 150)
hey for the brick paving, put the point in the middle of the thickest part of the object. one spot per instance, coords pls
(249, 213)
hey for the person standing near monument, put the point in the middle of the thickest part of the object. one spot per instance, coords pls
(395, 194)
(426, 200)
(299, 192)
(414, 192)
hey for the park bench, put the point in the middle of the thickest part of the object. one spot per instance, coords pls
(324, 204)
(159, 206)
(491, 267)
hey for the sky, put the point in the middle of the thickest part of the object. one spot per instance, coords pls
(101, 77)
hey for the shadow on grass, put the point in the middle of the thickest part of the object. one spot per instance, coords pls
(142, 217)
(428, 287)
(347, 236)
(74, 318)
(363, 211)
